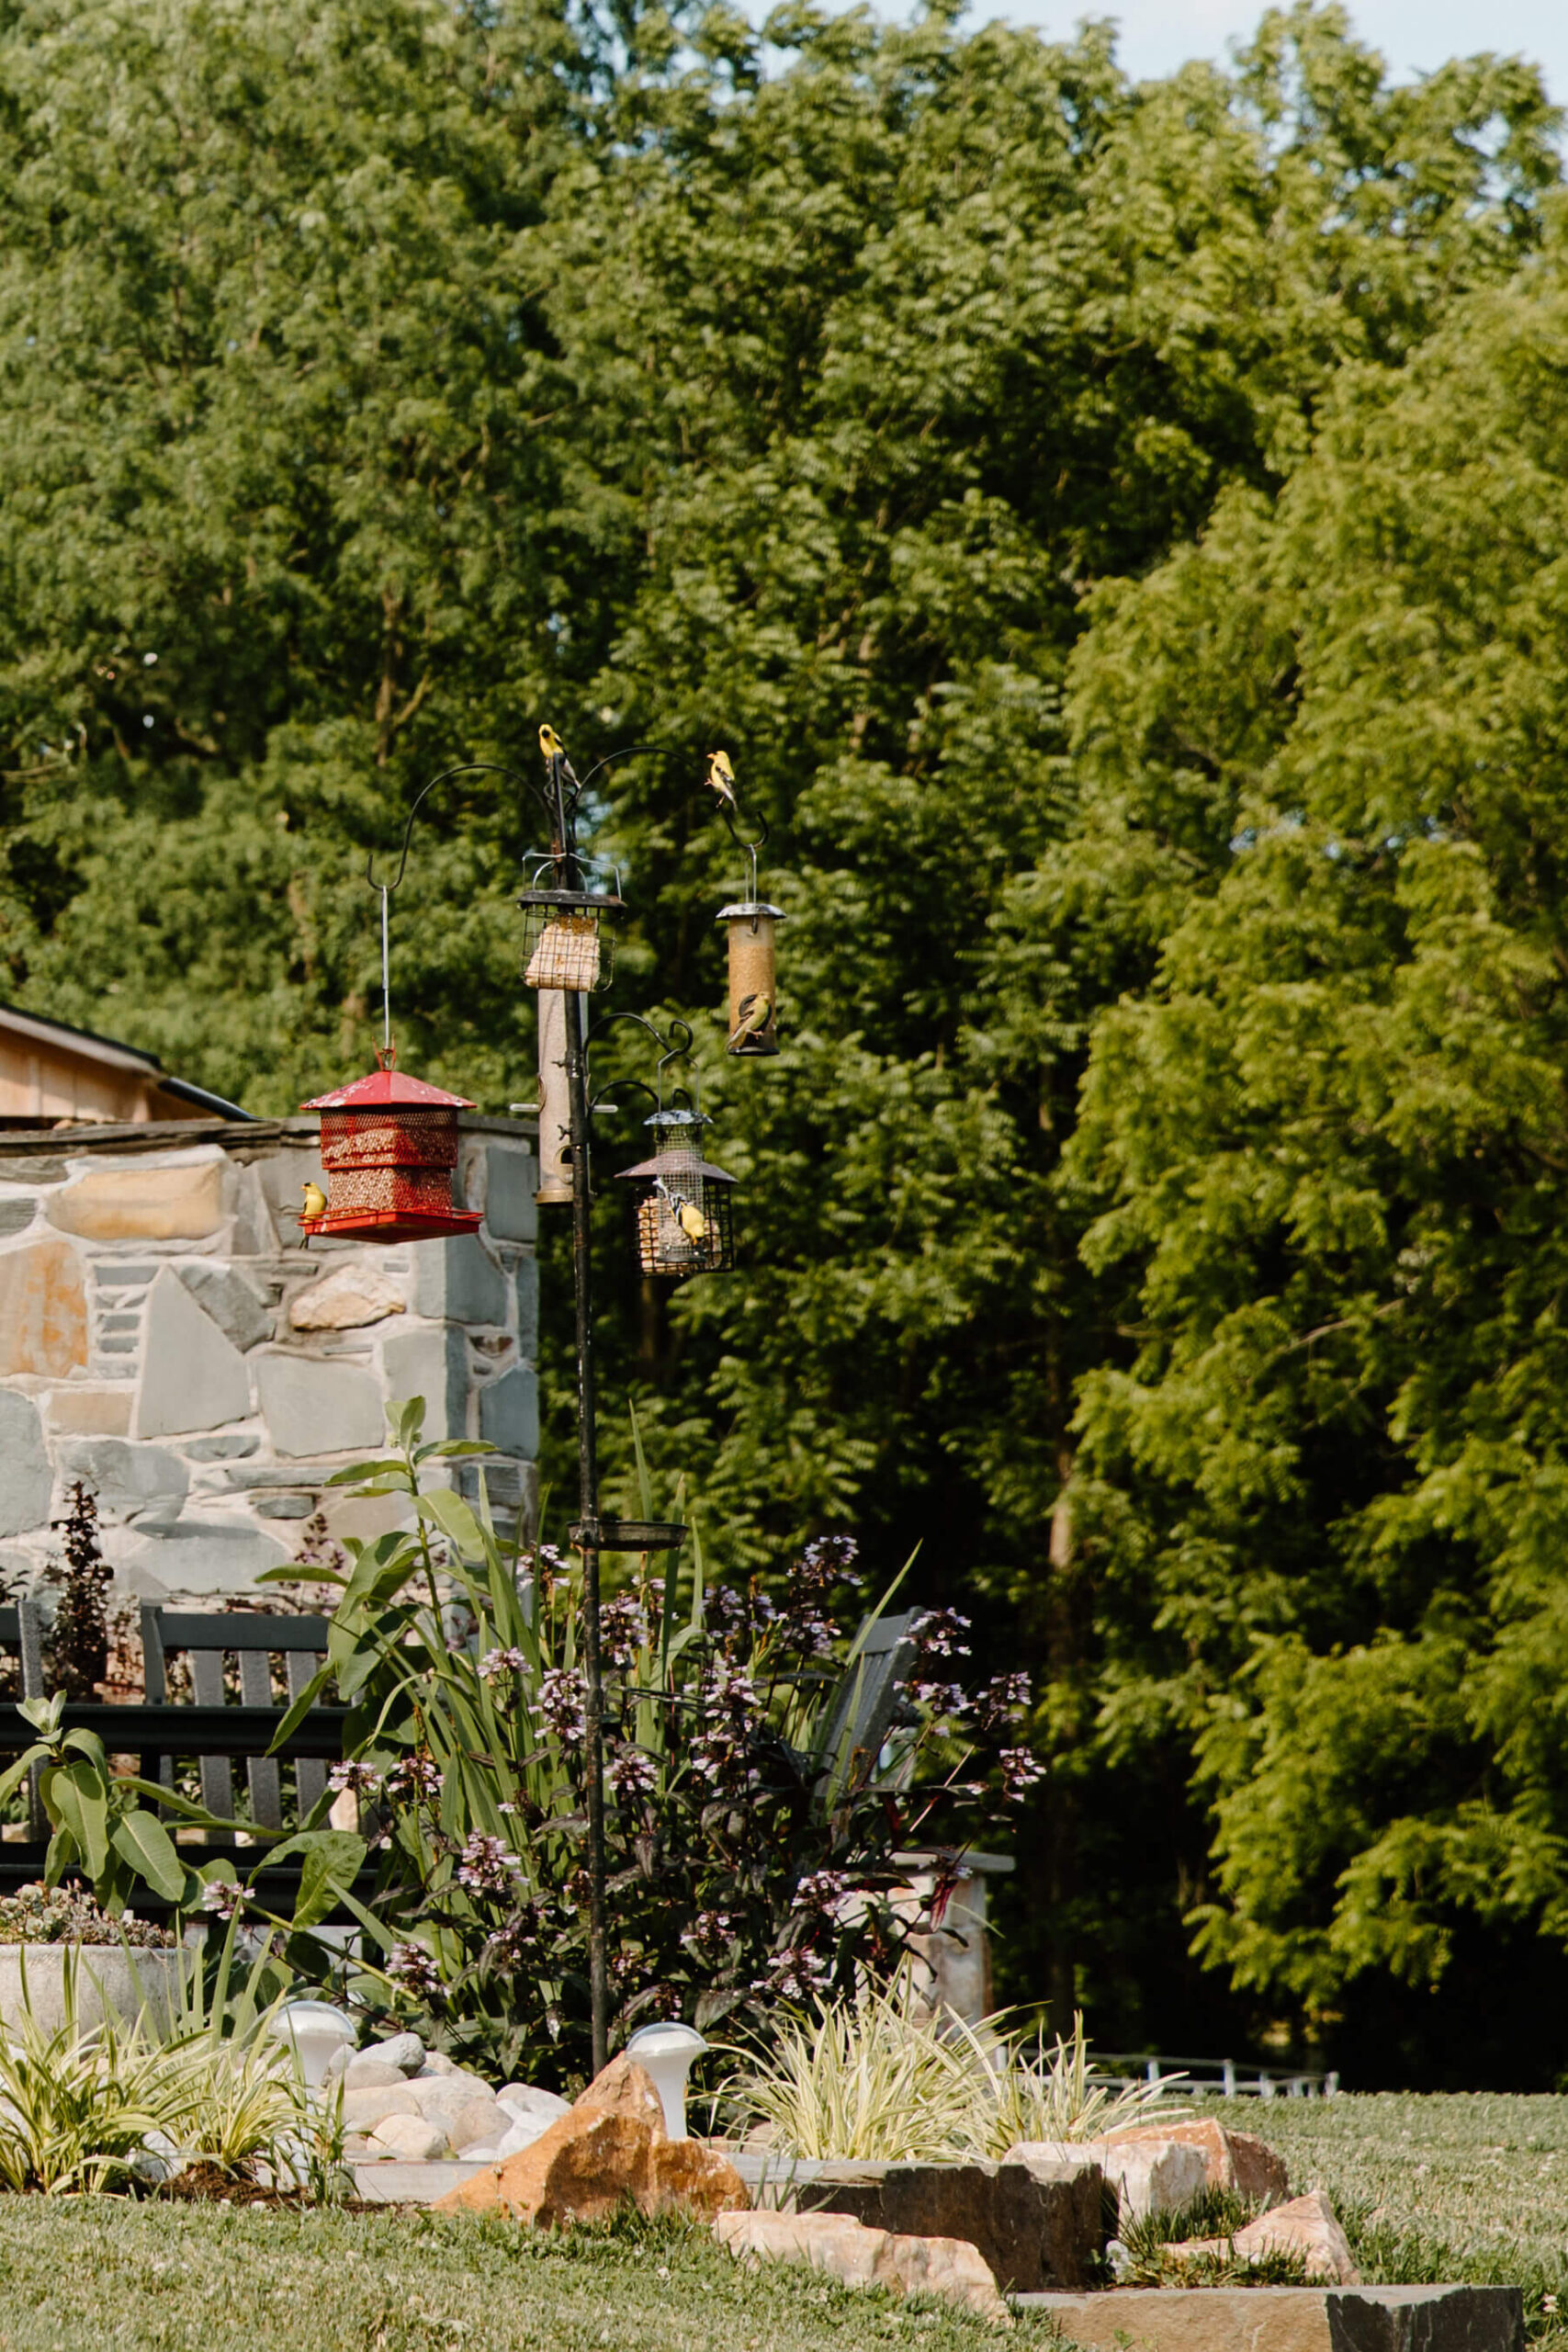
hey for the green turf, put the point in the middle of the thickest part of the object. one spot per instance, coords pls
(1465, 2188)
(101, 2274)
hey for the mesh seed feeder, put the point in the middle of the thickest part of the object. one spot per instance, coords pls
(753, 983)
(390, 1150)
(567, 942)
(683, 1207)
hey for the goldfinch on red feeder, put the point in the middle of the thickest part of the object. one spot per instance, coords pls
(315, 1203)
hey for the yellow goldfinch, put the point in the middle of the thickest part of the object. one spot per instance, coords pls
(552, 747)
(315, 1202)
(721, 776)
(692, 1222)
(753, 1016)
(687, 1215)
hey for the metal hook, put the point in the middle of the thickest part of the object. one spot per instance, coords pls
(464, 767)
(750, 848)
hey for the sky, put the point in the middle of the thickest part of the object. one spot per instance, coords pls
(1413, 35)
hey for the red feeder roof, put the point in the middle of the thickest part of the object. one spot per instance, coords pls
(384, 1086)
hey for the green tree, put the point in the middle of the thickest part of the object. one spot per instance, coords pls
(283, 520)
(1324, 1499)
(896, 359)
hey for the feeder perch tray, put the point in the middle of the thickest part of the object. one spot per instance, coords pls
(390, 1148)
(627, 1535)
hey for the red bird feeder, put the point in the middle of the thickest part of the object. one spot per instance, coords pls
(390, 1148)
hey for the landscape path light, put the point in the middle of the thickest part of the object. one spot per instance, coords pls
(666, 2053)
(315, 2031)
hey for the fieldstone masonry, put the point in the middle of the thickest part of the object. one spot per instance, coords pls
(166, 1337)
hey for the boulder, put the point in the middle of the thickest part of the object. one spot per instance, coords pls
(529, 2100)
(404, 2051)
(367, 2070)
(612, 2145)
(1307, 2226)
(848, 2251)
(366, 2109)
(1237, 2160)
(624, 2088)
(1035, 2226)
(1154, 2175)
(409, 2137)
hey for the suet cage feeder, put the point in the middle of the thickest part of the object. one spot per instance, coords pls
(683, 1207)
(568, 942)
(390, 1150)
(753, 981)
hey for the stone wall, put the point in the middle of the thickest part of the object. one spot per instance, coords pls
(166, 1336)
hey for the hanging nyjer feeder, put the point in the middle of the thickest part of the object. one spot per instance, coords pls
(683, 1207)
(754, 983)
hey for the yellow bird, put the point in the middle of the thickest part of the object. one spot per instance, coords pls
(752, 1015)
(552, 747)
(315, 1203)
(692, 1222)
(721, 776)
(687, 1215)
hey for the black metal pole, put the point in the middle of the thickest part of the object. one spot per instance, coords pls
(587, 1460)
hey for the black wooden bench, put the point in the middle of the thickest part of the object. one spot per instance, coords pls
(210, 1730)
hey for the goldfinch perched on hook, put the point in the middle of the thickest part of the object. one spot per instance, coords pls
(753, 1016)
(721, 776)
(554, 749)
(315, 1203)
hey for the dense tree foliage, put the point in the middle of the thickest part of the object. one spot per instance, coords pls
(1113, 528)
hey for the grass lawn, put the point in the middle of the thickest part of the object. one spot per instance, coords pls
(1470, 2186)
(1429, 2188)
(101, 2274)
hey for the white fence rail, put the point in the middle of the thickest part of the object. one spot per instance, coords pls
(1225, 2075)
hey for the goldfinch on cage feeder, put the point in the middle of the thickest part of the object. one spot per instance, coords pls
(687, 1215)
(755, 1013)
(315, 1203)
(554, 749)
(721, 776)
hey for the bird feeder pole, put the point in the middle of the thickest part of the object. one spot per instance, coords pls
(576, 958)
(565, 847)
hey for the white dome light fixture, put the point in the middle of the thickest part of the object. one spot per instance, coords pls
(666, 2053)
(315, 2030)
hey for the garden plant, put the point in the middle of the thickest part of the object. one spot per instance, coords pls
(752, 1848)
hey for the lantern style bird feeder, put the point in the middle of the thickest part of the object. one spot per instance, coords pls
(682, 1207)
(753, 983)
(390, 1148)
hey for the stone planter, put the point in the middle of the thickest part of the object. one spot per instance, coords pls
(109, 1978)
